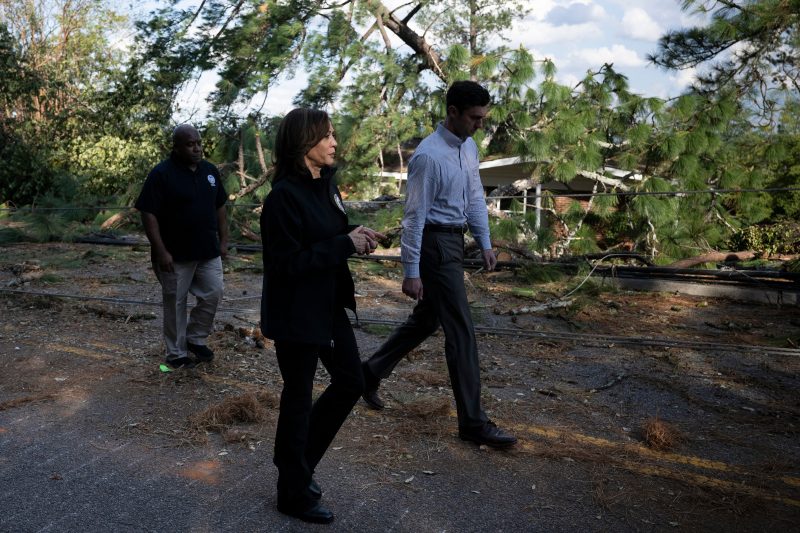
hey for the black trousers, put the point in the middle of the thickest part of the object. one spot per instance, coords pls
(304, 430)
(444, 302)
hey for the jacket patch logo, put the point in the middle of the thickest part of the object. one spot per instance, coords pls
(339, 204)
(212, 180)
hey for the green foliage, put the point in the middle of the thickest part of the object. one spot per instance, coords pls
(80, 119)
(793, 266)
(505, 229)
(585, 241)
(385, 220)
(537, 273)
(769, 239)
(64, 131)
(11, 235)
(763, 70)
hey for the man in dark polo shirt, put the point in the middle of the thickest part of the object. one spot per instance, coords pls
(183, 214)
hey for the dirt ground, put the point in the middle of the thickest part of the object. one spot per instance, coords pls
(646, 437)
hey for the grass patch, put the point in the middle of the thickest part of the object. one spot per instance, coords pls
(239, 263)
(377, 268)
(12, 236)
(380, 330)
(539, 273)
(64, 261)
(524, 292)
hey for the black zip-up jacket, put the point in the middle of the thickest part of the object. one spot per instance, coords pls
(304, 231)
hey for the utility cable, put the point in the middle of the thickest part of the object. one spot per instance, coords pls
(591, 338)
(488, 198)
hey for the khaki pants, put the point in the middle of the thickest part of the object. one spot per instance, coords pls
(204, 280)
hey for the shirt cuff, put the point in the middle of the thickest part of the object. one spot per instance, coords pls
(411, 270)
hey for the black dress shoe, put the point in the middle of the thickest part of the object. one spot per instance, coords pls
(373, 400)
(488, 434)
(201, 351)
(315, 490)
(315, 513)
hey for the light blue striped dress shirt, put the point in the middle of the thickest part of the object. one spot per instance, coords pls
(444, 187)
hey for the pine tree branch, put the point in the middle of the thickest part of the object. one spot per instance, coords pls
(255, 185)
(260, 152)
(386, 41)
(572, 234)
(611, 182)
(240, 161)
(411, 13)
(431, 58)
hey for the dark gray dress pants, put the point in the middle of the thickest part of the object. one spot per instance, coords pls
(444, 302)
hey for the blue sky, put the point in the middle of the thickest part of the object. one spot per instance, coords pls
(578, 35)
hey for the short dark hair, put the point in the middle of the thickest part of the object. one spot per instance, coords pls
(181, 131)
(466, 94)
(299, 131)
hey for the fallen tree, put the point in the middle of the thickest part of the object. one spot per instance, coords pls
(713, 257)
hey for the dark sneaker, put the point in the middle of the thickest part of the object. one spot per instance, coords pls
(201, 351)
(488, 434)
(180, 362)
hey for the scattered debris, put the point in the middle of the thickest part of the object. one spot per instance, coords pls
(660, 435)
(10, 404)
(554, 304)
(610, 384)
(244, 408)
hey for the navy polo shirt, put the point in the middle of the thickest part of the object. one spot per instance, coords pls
(185, 203)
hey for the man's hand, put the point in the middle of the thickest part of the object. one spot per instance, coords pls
(489, 260)
(412, 287)
(163, 259)
(223, 249)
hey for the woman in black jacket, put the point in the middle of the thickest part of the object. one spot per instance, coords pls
(307, 286)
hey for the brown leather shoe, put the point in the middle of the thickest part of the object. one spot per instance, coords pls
(488, 434)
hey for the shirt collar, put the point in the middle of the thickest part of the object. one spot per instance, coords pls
(181, 163)
(304, 176)
(449, 137)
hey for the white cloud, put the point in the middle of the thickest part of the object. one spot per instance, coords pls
(532, 33)
(570, 80)
(637, 24)
(575, 13)
(619, 55)
(683, 78)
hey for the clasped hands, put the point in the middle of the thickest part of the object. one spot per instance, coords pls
(365, 239)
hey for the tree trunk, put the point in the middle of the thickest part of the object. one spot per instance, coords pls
(430, 57)
(712, 257)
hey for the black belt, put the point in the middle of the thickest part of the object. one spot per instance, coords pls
(443, 228)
